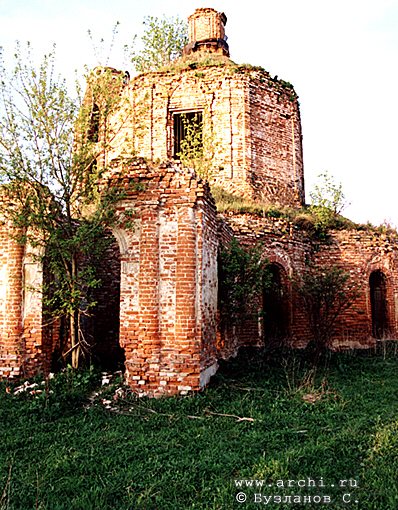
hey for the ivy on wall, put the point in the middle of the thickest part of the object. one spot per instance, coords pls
(243, 274)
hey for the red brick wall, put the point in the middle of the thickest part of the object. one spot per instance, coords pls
(11, 348)
(23, 350)
(275, 141)
(356, 252)
(282, 244)
(360, 253)
(37, 342)
(168, 293)
(168, 283)
(251, 124)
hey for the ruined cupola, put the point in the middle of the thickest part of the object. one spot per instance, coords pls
(206, 31)
(246, 123)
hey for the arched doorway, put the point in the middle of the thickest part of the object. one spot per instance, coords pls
(275, 305)
(378, 300)
(106, 324)
(97, 322)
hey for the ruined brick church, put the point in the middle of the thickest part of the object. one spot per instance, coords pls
(159, 306)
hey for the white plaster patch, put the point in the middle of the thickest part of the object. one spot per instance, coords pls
(206, 374)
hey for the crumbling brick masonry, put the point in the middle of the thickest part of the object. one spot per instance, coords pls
(158, 308)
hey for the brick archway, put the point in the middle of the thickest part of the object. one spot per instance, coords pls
(385, 326)
(106, 349)
(276, 305)
(378, 302)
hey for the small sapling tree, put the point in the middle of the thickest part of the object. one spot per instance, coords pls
(328, 194)
(326, 293)
(327, 202)
(161, 43)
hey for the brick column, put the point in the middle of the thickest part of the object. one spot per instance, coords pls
(12, 355)
(38, 350)
(144, 362)
(187, 341)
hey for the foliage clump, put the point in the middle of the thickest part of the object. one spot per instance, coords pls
(226, 202)
(326, 293)
(243, 274)
(161, 43)
(49, 168)
(315, 220)
(197, 148)
(327, 203)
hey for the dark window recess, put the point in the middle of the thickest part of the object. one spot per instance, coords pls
(378, 300)
(93, 132)
(188, 124)
(275, 305)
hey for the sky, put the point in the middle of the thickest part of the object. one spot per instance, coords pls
(341, 56)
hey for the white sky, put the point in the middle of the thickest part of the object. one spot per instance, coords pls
(341, 56)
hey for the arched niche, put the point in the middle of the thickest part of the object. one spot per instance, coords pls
(276, 305)
(378, 301)
(106, 349)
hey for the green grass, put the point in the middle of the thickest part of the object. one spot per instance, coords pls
(305, 218)
(61, 450)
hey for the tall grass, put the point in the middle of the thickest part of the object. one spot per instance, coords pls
(270, 420)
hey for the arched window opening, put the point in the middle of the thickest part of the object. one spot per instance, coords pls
(93, 133)
(378, 300)
(275, 305)
(106, 348)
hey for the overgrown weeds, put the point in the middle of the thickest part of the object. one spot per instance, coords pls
(263, 417)
(316, 221)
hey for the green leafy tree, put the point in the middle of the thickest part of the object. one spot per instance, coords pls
(51, 147)
(243, 273)
(162, 42)
(197, 148)
(327, 293)
(328, 194)
(327, 202)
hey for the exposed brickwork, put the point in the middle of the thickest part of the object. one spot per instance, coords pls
(361, 253)
(207, 32)
(11, 348)
(251, 122)
(168, 293)
(206, 24)
(36, 339)
(275, 142)
(157, 308)
(357, 252)
(282, 244)
(23, 349)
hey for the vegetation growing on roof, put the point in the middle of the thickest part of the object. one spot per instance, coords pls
(307, 218)
(161, 43)
(198, 60)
